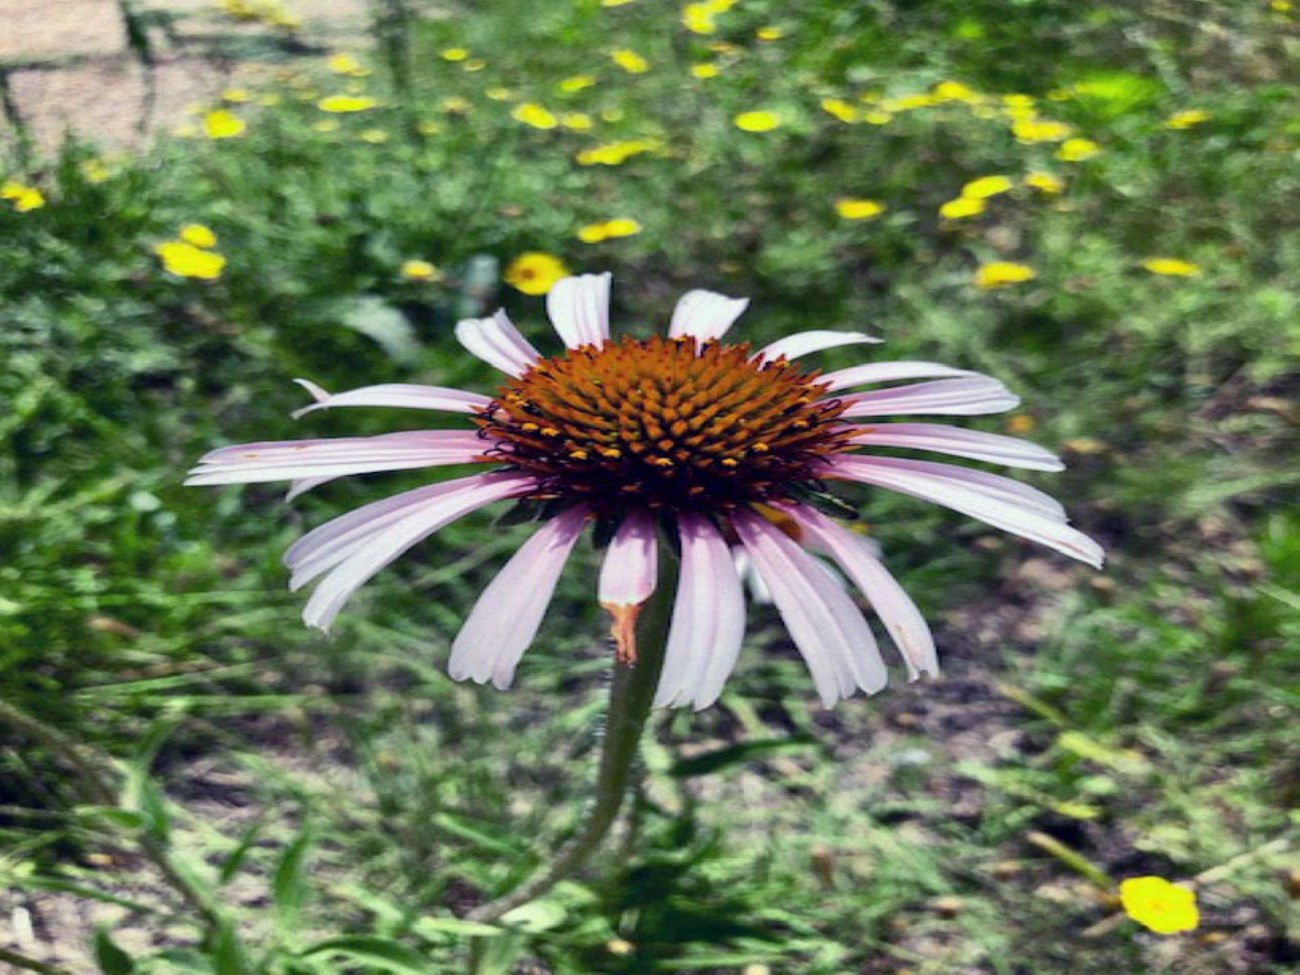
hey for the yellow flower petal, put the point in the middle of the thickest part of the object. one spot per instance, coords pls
(576, 82)
(1186, 119)
(1171, 267)
(1077, 150)
(419, 271)
(630, 61)
(841, 109)
(858, 209)
(534, 273)
(198, 235)
(453, 54)
(339, 104)
(221, 124)
(1157, 904)
(705, 70)
(530, 113)
(759, 121)
(1045, 182)
(986, 186)
(187, 261)
(963, 206)
(999, 274)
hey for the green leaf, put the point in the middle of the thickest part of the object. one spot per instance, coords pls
(382, 953)
(535, 916)
(289, 884)
(721, 758)
(235, 858)
(433, 927)
(111, 959)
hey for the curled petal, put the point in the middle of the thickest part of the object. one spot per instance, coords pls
(705, 315)
(497, 342)
(972, 396)
(884, 372)
(1011, 511)
(408, 395)
(708, 622)
(818, 340)
(828, 629)
(992, 447)
(627, 578)
(509, 611)
(579, 309)
(891, 602)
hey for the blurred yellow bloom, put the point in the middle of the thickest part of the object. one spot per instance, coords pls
(499, 93)
(1045, 182)
(1030, 130)
(698, 18)
(419, 271)
(453, 53)
(576, 82)
(953, 91)
(999, 274)
(456, 105)
(963, 206)
(705, 70)
(1157, 904)
(428, 127)
(577, 121)
(769, 33)
(1077, 150)
(23, 197)
(1171, 267)
(841, 109)
(614, 3)
(530, 113)
(1186, 119)
(221, 124)
(877, 116)
(347, 64)
(594, 233)
(373, 136)
(198, 235)
(187, 261)
(908, 102)
(615, 153)
(236, 96)
(94, 171)
(630, 61)
(986, 186)
(760, 121)
(851, 208)
(474, 64)
(1018, 102)
(346, 103)
(534, 273)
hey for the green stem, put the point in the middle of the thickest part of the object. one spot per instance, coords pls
(31, 964)
(630, 697)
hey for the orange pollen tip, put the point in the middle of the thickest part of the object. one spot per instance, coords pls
(623, 630)
(578, 454)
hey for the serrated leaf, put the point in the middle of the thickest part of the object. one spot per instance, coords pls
(381, 953)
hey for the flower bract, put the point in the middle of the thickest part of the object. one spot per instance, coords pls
(720, 448)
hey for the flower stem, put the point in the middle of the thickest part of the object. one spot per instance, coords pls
(630, 697)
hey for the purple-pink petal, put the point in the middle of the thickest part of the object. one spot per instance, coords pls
(884, 372)
(497, 342)
(994, 448)
(509, 611)
(579, 309)
(631, 567)
(828, 629)
(970, 396)
(708, 622)
(705, 315)
(817, 340)
(405, 395)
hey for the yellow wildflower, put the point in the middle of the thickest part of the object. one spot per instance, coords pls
(908, 102)
(1171, 267)
(760, 121)
(1017, 102)
(698, 18)
(767, 34)
(373, 136)
(236, 96)
(23, 197)
(877, 116)
(420, 271)
(339, 104)
(534, 273)
(577, 121)
(474, 64)
(999, 274)
(851, 208)
(343, 64)
(615, 153)
(593, 233)
(1031, 130)
(953, 91)
(841, 109)
(187, 261)
(705, 70)
(614, 3)
(576, 82)
(1186, 119)
(630, 61)
(1157, 904)
(453, 54)
(530, 113)
(1077, 150)
(986, 186)
(221, 124)
(719, 6)
(1045, 182)
(499, 93)
(456, 105)
(198, 235)
(963, 206)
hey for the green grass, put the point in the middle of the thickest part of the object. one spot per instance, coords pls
(345, 803)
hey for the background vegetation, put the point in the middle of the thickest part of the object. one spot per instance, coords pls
(336, 805)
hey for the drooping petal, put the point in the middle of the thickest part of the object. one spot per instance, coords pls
(705, 315)
(883, 372)
(353, 548)
(579, 309)
(708, 622)
(824, 624)
(407, 395)
(509, 611)
(992, 447)
(1004, 510)
(497, 342)
(972, 396)
(284, 460)
(994, 485)
(627, 578)
(891, 602)
(818, 340)
(302, 485)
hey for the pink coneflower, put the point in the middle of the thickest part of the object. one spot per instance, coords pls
(719, 447)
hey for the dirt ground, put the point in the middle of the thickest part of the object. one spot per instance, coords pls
(68, 65)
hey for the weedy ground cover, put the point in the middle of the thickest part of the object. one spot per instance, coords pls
(1088, 201)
